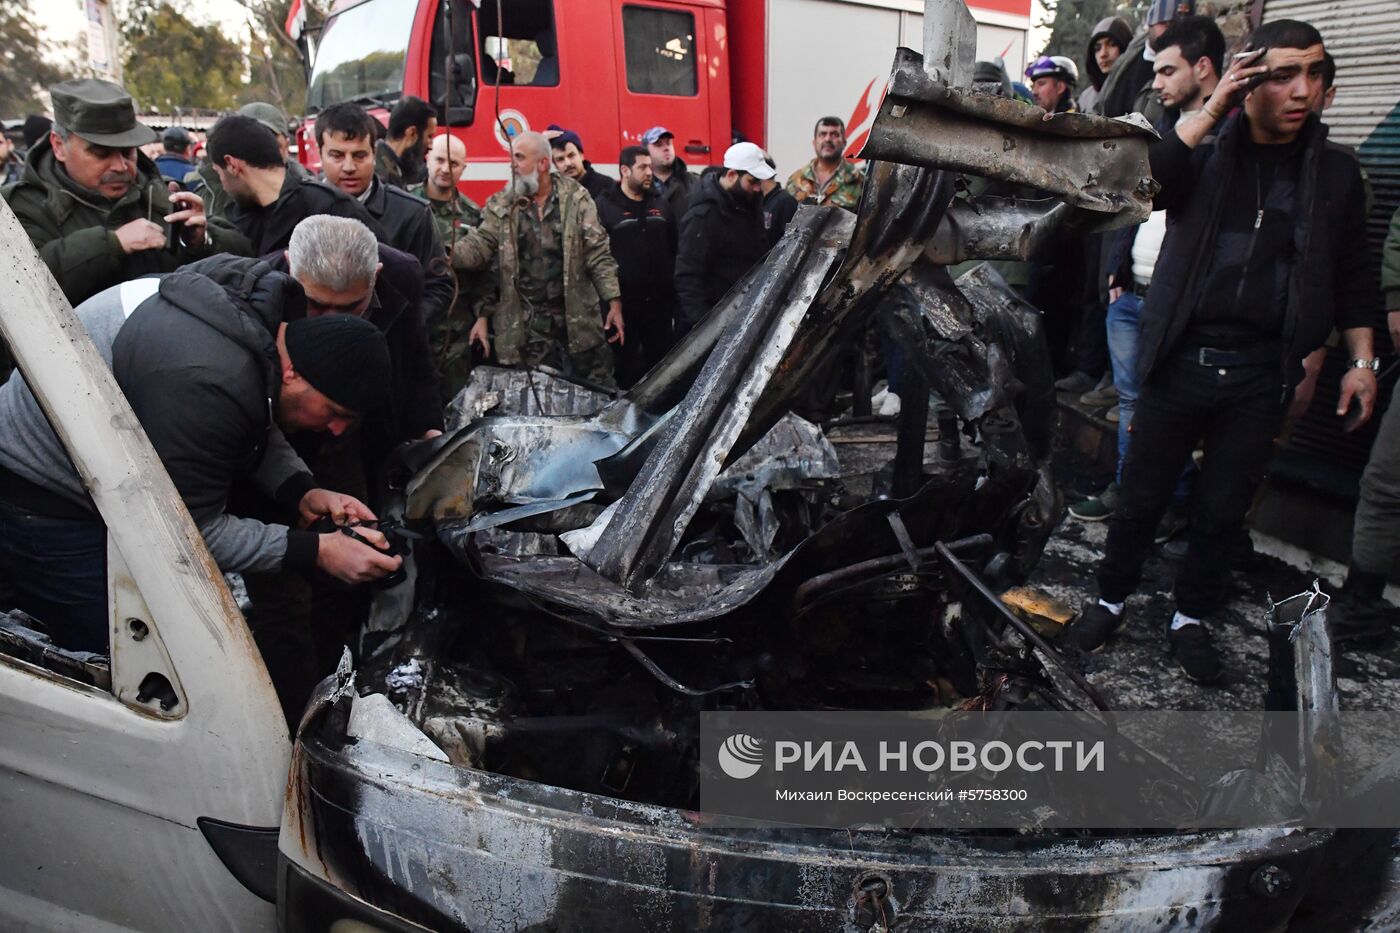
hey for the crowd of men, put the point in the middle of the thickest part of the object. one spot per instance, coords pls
(279, 334)
(1202, 331)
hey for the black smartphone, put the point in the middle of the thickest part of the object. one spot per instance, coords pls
(173, 232)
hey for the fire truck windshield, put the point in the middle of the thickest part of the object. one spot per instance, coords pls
(361, 53)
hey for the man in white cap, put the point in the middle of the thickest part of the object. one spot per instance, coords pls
(722, 234)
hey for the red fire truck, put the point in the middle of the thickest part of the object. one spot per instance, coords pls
(610, 69)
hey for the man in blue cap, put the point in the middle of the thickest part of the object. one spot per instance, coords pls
(670, 178)
(174, 163)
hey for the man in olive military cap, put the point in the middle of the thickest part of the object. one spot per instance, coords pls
(94, 206)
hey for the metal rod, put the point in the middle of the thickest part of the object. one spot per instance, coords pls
(873, 568)
(1021, 625)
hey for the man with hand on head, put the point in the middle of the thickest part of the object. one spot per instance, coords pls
(1231, 313)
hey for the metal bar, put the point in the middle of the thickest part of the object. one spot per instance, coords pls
(810, 589)
(659, 504)
(1026, 630)
(1097, 164)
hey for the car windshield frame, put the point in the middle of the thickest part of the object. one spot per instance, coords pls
(375, 29)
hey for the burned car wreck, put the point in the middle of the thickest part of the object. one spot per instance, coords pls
(518, 749)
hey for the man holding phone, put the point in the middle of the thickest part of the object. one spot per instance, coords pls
(1265, 252)
(95, 207)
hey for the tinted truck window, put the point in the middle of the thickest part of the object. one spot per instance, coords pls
(362, 52)
(660, 50)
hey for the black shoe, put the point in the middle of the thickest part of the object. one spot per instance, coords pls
(1095, 625)
(1194, 651)
(1357, 615)
(1172, 524)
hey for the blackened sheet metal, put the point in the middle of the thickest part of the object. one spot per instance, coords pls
(692, 592)
(658, 506)
(994, 228)
(457, 849)
(501, 391)
(1091, 162)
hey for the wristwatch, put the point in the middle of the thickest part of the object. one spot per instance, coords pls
(1374, 365)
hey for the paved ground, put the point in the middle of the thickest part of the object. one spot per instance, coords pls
(1135, 672)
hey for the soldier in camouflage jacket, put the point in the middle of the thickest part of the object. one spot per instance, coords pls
(550, 289)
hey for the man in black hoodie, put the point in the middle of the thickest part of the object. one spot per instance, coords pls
(1107, 43)
(213, 374)
(642, 235)
(722, 235)
(266, 200)
(1265, 252)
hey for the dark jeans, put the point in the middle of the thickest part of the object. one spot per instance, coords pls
(650, 334)
(58, 570)
(1237, 411)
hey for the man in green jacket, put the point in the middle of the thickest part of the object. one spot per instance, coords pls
(1359, 614)
(95, 207)
(555, 267)
(449, 332)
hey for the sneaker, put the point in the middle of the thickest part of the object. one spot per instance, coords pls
(1175, 550)
(1099, 508)
(1105, 393)
(1095, 626)
(1195, 652)
(1172, 524)
(1113, 415)
(1076, 382)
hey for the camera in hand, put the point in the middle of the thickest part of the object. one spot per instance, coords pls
(396, 543)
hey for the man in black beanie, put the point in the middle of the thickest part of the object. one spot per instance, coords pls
(214, 376)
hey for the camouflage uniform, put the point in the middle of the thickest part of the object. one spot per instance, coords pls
(448, 335)
(842, 189)
(554, 270)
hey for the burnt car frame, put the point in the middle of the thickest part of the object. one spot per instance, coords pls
(158, 788)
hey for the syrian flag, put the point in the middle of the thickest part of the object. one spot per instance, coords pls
(296, 19)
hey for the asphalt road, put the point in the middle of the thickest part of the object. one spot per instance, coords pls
(1134, 670)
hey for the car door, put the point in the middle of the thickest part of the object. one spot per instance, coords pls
(109, 766)
(661, 76)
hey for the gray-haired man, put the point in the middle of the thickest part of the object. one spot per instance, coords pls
(344, 271)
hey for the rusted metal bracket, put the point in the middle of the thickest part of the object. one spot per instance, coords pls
(1091, 162)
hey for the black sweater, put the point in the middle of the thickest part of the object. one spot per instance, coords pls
(643, 237)
(1330, 281)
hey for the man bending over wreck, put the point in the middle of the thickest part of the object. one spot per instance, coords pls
(212, 371)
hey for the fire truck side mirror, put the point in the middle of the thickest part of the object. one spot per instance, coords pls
(461, 94)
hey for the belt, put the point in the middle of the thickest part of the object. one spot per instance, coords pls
(1252, 356)
(1140, 289)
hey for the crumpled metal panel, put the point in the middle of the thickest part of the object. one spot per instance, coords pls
(499, 391)
(794, 453)
(459, 849)
(1091, 162)
(643, 530)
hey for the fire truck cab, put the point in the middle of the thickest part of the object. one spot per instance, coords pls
(611, 69)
